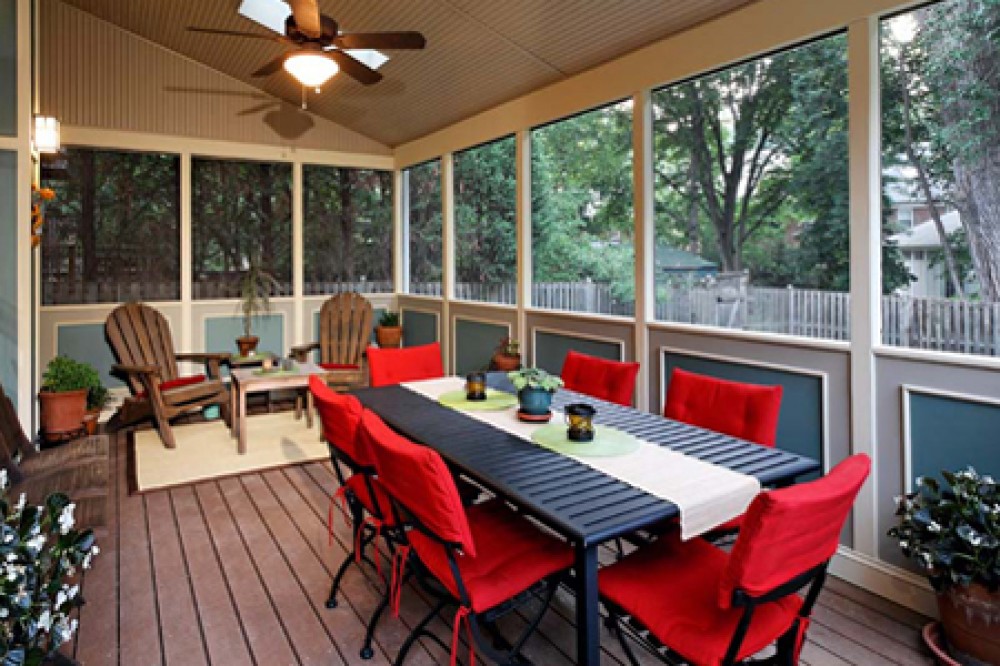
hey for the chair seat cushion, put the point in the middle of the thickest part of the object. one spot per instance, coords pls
(339, 366)
(179, 382)
(357, 485)
(671, 588)
(511, 556)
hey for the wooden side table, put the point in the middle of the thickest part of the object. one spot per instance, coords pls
(246, 381)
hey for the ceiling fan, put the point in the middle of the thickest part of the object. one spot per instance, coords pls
(318, 48)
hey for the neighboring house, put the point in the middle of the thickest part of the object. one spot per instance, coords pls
(673, 263)
(920, 246)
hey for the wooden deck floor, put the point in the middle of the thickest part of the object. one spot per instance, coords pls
(236, 571)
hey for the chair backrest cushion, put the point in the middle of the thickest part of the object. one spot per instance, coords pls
(747, 411)
(417, 478)
(140, 335)
(340, 415)
(345, 328)
(407, 364)
(613, 381)
(787, 532)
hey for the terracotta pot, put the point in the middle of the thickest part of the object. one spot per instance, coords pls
(247, 344)
(62, 413)
(389, 336)
(90, 418)
(505, 363)
(970, 617)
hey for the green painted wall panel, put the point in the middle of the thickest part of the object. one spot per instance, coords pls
(86, 342)
(8, 269)
(221, 334)
(8, 67)
(800, 426)
(951, 434)
(419, 327)
(474, 344)
(551, 348)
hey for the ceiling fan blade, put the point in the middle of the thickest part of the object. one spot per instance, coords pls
(271, 67)
(269, 13)
(235, 33)
(306, 13)
(355, 69)
(257, 108)
(380, 40)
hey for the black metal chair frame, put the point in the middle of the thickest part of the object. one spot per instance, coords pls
(364, 534)
(494, 646)
(624, 626)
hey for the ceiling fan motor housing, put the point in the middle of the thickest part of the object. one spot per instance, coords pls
(328, 26)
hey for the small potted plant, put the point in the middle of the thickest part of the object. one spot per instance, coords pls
(66, 385)
(507, 355)
(535, 388)
(256, 288)
(97, 397)
(388, 332)
(953, 533)
(42, 559)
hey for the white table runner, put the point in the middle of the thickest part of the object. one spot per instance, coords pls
(707, 495)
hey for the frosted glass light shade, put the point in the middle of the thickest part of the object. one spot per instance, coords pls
(311, 69)
(46, 134)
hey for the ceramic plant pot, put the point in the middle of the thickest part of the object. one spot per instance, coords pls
(389, 336)
(970, 617)
(505, 363)
(62, 413)
(535, 401)
(247, 344)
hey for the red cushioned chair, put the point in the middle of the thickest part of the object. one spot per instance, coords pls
(407, 364)
(711, 608)
(486, 559)
(613, 381)
(363, 496)
(747, 411)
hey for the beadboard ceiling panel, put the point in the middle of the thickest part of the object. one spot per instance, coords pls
(479, 53)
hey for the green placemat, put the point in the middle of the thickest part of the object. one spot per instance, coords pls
(495, 401)
(607, 441)
(276, 373)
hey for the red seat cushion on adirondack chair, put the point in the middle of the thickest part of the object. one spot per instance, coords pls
(511, 556)
(339, 366)
(179, 382)
(613, 381)
(408, 364)
(340, 414)
(747, 411)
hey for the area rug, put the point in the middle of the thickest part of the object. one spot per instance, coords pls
(208, 451)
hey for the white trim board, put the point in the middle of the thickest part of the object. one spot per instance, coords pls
(905, 391)
(480, 320)
(779, 367)
(573, 334)
(884, 580)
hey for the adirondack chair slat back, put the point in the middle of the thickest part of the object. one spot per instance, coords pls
(140, 335)
(12, 436)
(345, 324)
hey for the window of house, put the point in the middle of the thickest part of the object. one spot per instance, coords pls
(112, 232)
(347, 230)
(751, 200)
(485, 223)
(241, 219)
(582, 225)
(940, 76)
(422, 216)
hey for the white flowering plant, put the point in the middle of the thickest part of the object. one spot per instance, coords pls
(41, 555)
(953, 531)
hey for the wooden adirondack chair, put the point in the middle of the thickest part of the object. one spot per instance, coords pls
(345, 328)
(140, 337)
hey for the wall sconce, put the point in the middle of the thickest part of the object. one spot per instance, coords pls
(46, 136)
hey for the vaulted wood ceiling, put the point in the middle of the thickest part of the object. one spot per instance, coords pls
(479, 52)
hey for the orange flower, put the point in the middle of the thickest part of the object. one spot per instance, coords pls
(47, 194)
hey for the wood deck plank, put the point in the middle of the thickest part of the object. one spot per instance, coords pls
(266, 638)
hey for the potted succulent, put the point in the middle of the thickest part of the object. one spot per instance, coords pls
(66, 385)
(507, 355)
(256, 288)
(388, 332)
(97, 397)
(953, 533)
(535, 388)
(42, 557)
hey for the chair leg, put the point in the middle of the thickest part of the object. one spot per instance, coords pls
(623, 639)
(331, 602)
(366, 650)
(226, 412)
(418, 630)
(166, 432)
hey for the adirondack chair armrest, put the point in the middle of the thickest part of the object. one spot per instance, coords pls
(211, 359)
(300, 352)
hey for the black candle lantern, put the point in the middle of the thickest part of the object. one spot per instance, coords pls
(580, 419)
(475, 386)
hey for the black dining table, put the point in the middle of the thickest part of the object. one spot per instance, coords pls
(584, 505)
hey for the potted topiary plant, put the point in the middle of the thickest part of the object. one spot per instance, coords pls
(42, 558)
(256, 288)
(97, 397)
(388, 332)
(66, 385)
(535, 388)
(953, 533)
(507, 355)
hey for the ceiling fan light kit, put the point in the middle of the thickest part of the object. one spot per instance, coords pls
(311, 69)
